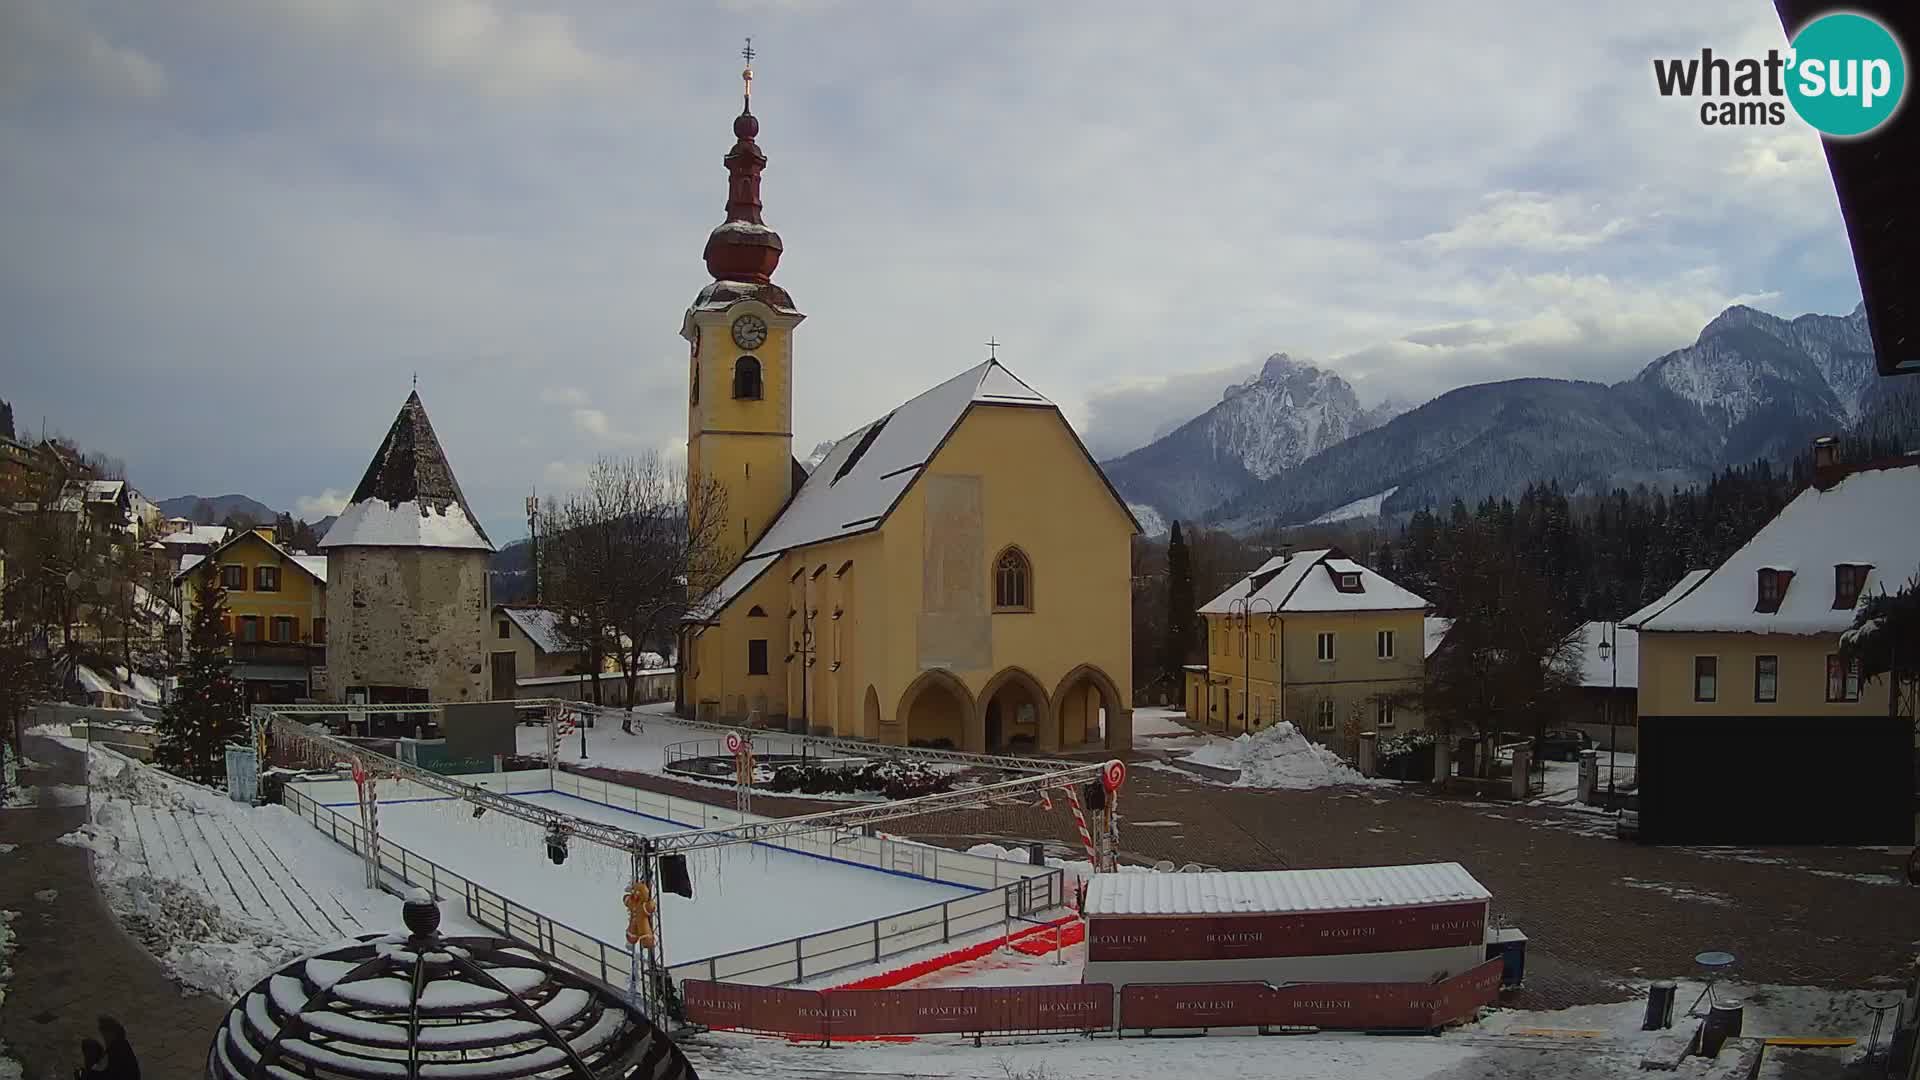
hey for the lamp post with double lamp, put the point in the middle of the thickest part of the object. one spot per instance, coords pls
(1610, 652)
(1244, 609)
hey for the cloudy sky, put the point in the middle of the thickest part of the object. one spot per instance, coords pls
(234, 229)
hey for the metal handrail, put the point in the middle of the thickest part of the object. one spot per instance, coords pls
(476, 896)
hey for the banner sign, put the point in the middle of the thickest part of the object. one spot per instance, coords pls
(1311, 933)
(1351, 1006)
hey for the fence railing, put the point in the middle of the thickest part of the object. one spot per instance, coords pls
(763, 745)
(1007, 891)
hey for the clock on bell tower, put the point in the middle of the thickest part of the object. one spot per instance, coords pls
(739, 334)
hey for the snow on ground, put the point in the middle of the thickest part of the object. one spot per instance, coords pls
(1589, 1042)
(744, 895)
(219, 892)
(1280, 757)
(645, 749)
(1358, 508)
(1167, 730)
(9, 1068)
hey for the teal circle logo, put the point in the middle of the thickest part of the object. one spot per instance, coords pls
(1847, 74)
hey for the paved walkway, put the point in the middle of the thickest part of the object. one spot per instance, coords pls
(72, 961)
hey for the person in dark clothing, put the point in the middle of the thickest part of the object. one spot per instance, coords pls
(121, 1064)
(93, 1060)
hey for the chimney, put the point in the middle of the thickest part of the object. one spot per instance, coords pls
(1827, 470)
(1826, 452)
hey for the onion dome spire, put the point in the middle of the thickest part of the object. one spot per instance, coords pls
(742, 248)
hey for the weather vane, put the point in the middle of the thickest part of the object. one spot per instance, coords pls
(993, 349)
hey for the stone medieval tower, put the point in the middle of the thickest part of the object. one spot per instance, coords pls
(407, 595)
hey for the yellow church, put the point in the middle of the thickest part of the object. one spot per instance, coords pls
(955, 573)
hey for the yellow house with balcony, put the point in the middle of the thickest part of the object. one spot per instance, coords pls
(1315, 639)
(276, 612)
(1753, 727)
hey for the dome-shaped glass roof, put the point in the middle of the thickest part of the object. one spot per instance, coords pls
(418, 1005)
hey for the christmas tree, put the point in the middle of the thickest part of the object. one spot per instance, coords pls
(207, 709)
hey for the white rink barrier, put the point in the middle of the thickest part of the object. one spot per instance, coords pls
(1008, 890)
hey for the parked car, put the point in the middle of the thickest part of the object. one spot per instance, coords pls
(1626, 821)
(1563, 744)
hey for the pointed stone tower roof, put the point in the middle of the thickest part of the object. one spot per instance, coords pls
(408, 497)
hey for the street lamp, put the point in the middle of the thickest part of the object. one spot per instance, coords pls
(1243, 608)
(1611, 653)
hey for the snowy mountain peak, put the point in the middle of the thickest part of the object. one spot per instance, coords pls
(1814, 364)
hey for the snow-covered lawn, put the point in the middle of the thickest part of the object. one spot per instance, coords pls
(743, 896)
(219, 892)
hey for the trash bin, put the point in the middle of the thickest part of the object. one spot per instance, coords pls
(1723, 1023)
(1659, 1006)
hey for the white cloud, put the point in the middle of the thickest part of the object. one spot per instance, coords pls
(315, 507)
(563, 476)
(1528, 221)
(46, 43)
(511, 198)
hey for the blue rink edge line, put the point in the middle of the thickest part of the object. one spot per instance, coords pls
(667, 821)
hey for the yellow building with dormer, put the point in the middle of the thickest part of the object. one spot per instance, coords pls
(1315, 639)
(955, 573)
(276, 612)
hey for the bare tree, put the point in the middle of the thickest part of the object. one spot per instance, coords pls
(620, 554)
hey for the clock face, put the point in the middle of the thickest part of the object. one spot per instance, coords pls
(749, 332)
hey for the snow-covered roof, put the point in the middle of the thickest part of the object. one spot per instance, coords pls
(542, 627)
(1282, 891)
(867, 472)
(1436, 633)
(105, 490)
(1598, 672)
(315, 565)
(1301, 582)
(1667, 599)
(209, 535)
(130, 685)
(1869, 517)
(408, 496)
(856, 485)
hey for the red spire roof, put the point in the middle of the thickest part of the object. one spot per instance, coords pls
(742, 248)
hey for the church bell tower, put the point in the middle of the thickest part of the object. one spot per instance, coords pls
(739, 334)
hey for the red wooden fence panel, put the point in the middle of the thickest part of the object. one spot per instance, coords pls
(755, 1008)
(1070, 1007)
(1356, 1006)
(1313, 933)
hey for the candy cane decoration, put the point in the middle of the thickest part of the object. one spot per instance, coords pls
(1080, 823)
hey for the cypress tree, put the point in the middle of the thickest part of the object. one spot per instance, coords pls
(1180, 603)
(207, 708)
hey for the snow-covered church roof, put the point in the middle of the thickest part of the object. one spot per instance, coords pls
(1869, 517)
(1308, 581)
(858, 483)
(408, 497)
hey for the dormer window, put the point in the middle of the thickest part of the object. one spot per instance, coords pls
(1772, 589)
(1848, 580)
(1349, 582)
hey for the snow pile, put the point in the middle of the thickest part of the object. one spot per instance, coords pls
(1279, 757)
(1076, 871)
(218, 892)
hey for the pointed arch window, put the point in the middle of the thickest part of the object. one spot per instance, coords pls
(1012, 581)
(746, 379)
(756, 612)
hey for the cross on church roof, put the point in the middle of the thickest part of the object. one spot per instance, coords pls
(746, 74)
(993, 349)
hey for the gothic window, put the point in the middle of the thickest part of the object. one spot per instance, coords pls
(746, 379)
(1012, 581)
(756, 612)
